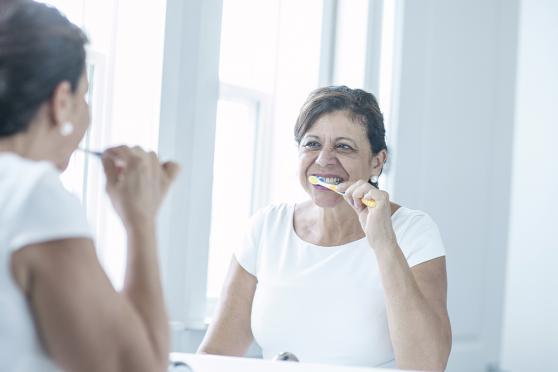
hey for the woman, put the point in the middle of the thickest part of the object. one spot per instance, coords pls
(331, 280)
(57, 306)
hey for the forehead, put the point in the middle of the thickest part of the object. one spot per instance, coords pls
(338, 124)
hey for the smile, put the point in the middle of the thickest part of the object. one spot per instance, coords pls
(330, 180)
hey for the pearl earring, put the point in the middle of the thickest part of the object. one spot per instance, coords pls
(66, 129)
(374, 179)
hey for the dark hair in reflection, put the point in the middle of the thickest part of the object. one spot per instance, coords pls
(361, 106)
(39, 49)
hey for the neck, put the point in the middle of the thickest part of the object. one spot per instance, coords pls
(28, 144)
(17, 143)
(338, 225)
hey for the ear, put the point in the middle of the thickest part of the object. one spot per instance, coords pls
(61, 103)
(378, 161)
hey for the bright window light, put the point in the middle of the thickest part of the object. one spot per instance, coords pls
(248, 43)
(232, 184)
(350, 45)
(124, 66)
(387, 59)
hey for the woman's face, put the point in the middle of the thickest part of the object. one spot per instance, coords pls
(79, 116)
(335, 148)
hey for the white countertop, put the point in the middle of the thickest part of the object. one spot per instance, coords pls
(214, 363)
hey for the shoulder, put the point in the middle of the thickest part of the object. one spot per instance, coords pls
(269, 221)
(20, 179)
(19, 175)
(35, 206)
(417, 235)
(406, 220)
(274, 213)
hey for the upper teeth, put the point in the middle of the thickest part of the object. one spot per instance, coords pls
(331, 180)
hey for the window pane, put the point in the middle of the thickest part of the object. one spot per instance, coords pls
(350, 45)
(248, 43)
(387, 59)
(232, 184)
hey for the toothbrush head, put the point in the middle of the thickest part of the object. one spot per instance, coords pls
(314, 180)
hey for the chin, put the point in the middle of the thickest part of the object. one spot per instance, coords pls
(62, 165)
(327, 201)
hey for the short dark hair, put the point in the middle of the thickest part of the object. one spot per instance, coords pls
(39, 49)
(361, 106)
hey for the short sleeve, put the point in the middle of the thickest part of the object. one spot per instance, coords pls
(247, 252)
(420, 239)
(48, 212)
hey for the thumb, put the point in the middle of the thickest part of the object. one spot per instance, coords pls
(111, 170)
(171, 169)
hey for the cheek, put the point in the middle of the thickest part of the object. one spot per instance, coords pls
(357, 169)
(83, 117)
(305, 160)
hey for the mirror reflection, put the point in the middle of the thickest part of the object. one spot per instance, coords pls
(228, 185)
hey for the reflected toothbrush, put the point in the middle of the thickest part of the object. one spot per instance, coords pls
(315, 180)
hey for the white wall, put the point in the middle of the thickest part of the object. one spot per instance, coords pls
(530, 332)
(452, 157)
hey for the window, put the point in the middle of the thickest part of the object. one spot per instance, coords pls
(124, 62)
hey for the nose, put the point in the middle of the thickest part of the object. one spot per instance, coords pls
(326, 157)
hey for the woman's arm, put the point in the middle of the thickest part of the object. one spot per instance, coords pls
(417, 314)
(83, 323)
(230, 331)
(416, 310)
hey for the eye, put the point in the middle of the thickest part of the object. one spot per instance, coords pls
(311, 145)
(344, 147)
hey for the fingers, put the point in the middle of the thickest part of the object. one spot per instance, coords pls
(123, 159)
(111, 170)
(362, 194)
(357, 191)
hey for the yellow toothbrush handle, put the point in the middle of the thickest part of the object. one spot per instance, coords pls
(368, 202)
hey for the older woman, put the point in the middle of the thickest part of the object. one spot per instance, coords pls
(57, 306)
(332, 280)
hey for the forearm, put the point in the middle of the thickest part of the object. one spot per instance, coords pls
(420, 336)
(143, 289)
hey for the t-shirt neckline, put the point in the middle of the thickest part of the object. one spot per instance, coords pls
(302, 242)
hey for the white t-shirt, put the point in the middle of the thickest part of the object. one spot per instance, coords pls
(34, 207)
(325, 304)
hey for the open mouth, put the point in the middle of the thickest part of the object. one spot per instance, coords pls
(330, 180)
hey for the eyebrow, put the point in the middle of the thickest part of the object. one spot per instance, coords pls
(346, 139)
(310, 136)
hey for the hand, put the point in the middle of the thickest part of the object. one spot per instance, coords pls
(375, 221)
(137, 183)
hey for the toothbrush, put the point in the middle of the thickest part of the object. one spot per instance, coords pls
(98, 154)
(314, 180)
